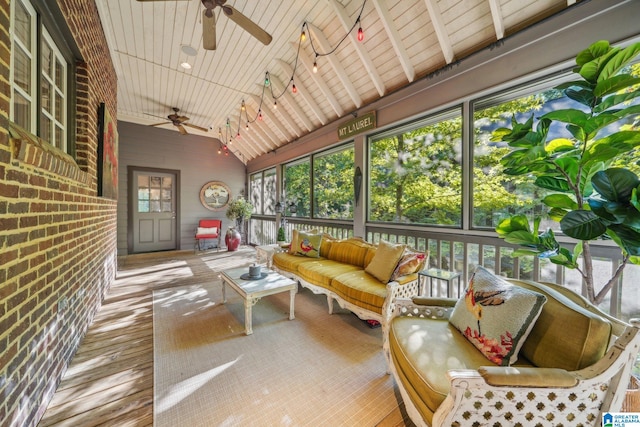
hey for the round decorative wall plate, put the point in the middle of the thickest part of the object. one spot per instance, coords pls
(215, 195)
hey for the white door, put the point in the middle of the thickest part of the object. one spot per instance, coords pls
(154, 211)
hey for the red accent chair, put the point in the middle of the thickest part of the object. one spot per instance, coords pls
(208, 229)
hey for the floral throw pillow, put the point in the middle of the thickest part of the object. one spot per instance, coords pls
(496, 316)
(411, 262)
(306, 244)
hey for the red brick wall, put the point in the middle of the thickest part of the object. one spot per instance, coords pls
(57, 238)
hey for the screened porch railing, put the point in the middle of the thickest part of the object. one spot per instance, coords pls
(463, 252)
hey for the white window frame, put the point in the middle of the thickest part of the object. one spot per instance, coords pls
(36, 109)
(31, 52)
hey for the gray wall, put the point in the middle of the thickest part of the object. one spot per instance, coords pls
(197, 160)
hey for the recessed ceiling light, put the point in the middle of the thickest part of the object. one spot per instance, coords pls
(185, 65)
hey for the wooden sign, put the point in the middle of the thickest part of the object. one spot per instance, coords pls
(358, 125)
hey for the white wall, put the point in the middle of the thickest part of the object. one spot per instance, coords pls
(196, 159)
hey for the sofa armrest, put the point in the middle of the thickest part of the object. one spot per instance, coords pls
(435, 308)
(501, 376)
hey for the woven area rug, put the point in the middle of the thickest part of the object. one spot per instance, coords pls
(315, 370)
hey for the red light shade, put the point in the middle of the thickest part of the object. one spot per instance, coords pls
(260, 115)
(294, 89)
(360, 34)
(238, 135)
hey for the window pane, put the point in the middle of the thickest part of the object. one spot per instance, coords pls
(47, 60)
(255, 190)
(415, 174)
(22, 70)
(59, 80)
(45, 96)
(59, 109)
(297, 188)
(21, 110)
(143, 206)
(22, 24)
(45, 127)
(333, 184)
(59, 137)
(269, 192)
(496, 195)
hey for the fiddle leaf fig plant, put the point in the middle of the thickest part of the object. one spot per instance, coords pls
(593, 196)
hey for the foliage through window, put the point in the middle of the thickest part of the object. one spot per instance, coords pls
(496, 195)
(415, 173)
(297, 188)
(262, 190)
(333, 184)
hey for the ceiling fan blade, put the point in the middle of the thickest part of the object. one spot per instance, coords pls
(248, 25)
(182, 130)
(196, 127)
(182, 118)
(208, 31)
(160, 124)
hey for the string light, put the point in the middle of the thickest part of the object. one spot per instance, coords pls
(294, 89)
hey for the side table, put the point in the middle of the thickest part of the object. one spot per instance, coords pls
(264, 253)
(439, 274)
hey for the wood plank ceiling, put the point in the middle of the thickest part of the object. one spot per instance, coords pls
(404, 40)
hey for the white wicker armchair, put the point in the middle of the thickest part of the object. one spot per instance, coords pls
(527, 395)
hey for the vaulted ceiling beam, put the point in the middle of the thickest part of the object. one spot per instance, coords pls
(345, 20)
(267, 111)
(496, 15)
(288, 98)
(441, 31)
(394, 38)
(324, 45)
(303, 92)
(322, 85)
(265, 131)
(282, 113)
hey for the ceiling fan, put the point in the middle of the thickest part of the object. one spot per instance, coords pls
(209, 23)
(179, 122)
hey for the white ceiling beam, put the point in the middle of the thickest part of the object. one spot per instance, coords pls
(358, 46)
(288, 98)
(251, 139)
(272, 118)
(496, 15)
(441, 31)
(323, 43)
(292, 125)
(316, 77)
(265, 131)
(394, 38)
(248, 149)
(303, 92)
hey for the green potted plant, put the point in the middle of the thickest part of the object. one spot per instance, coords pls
(596, 195)
(281, 235)
(239, 210)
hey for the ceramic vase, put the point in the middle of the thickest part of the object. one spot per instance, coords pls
(232, 239)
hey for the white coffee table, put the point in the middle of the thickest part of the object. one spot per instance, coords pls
(252, 290)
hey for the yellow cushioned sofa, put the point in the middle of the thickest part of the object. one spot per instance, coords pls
(572, 367)
(342, 270)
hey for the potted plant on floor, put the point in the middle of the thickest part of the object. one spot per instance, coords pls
(239, 210)
(596, 195)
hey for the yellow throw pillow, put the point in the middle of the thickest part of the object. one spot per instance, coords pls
(385, 260)
(307, 244)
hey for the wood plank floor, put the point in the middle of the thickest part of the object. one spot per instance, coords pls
(110, 379)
